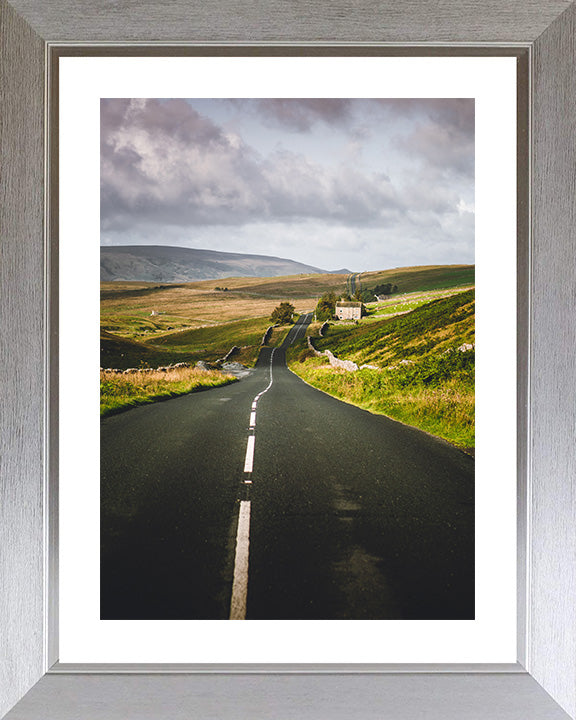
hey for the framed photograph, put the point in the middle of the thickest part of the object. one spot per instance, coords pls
(501, 642)
(212, 500)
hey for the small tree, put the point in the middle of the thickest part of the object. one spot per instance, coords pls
(385, 289)
(326, 306)
(283, 313)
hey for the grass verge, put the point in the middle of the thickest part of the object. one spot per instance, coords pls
(121, 392)
(444, 409)
(279, 335)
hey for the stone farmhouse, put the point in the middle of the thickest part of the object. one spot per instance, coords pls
(348, 310)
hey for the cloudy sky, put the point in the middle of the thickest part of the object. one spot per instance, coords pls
(335, 183)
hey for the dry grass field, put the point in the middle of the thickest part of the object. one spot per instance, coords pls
(126, 307)
(151, 324)
(158, 323)
(144, 323)
(143, 311)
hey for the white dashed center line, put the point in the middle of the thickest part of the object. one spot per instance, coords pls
(240, 583)
(249, 461)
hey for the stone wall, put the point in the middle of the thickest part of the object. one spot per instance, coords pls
(332, 359)
(267, 335)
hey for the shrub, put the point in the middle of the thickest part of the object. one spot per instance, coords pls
(282, 313)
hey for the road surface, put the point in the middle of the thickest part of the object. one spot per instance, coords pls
(268, 499)
(353, 283)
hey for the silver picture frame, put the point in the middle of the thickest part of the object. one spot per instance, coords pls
(542, 684)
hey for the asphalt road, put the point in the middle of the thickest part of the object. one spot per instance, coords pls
(351, 281)
(329, 512)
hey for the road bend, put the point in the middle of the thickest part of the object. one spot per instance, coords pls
(268, 499)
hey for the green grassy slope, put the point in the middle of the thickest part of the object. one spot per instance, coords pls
(206, 343)
(155, 324)
(430, 329)
(217, 338)
(122, 353)
(421, 379)
(431, 277)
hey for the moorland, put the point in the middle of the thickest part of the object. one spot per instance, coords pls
(418, 340)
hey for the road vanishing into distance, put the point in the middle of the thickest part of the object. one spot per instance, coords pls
(353, 283)
(268, 499)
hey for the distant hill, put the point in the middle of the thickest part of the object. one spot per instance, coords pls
(420, 278)
(161, 263)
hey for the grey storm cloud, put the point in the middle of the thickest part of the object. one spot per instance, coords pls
(163, 162)
(442, 133)
(441, 147)
(454, 114)
(301, 114)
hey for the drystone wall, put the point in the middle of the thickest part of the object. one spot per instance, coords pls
(332, 359)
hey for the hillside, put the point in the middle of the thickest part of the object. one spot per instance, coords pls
(159, 323)
(146, 310)
(430, 329)
(119, 352)
(421, 278)
(421, 366)
(206, 343)
(160, 263)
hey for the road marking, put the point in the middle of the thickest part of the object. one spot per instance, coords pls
(240, 582)
(271, 378)
(249, 461)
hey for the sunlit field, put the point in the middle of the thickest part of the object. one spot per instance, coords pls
(122, 391)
